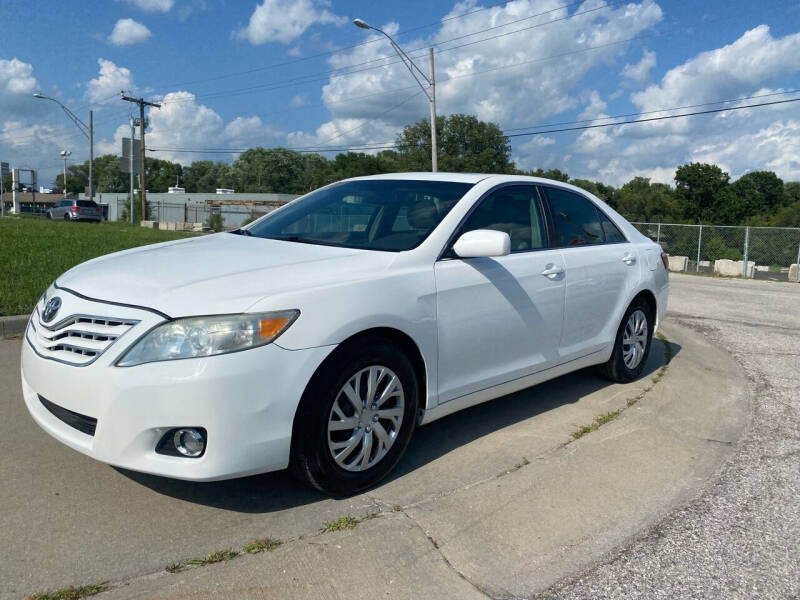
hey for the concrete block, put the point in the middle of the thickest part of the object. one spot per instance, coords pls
(172, 226)
(704, 263)
(149, 224)
(733, 268)
(678, 264)
(794, 272)
(162, 225)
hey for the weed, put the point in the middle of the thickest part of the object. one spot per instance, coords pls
(261, 545)
(340, 524)
(214, 557)
(71, 593)
(174, 567)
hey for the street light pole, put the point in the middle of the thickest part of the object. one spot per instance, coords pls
(428, 87)
(64, 155)
(87, 130)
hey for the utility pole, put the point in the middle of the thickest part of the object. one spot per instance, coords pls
(64, 155)
(91, 153)
(142, 126)
(434, 141)
(133, 134)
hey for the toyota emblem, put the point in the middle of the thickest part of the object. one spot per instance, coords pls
(51, 308)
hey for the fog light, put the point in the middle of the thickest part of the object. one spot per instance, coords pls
(189, 442)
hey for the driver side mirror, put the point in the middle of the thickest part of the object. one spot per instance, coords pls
(482, 243)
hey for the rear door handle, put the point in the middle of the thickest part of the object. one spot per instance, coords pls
(552, 271)
(629, 259)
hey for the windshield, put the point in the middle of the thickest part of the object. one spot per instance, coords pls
(393, 215)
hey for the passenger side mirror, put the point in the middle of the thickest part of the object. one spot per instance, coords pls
(482, 243)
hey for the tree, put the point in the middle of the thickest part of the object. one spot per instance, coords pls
(207, 176)
(269, 170)
(605, 192)
(554, 174)
(162, 174)
(755, 193)
(702, 191)
(466, 145)
(639, 200)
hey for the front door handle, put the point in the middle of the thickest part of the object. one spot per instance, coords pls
(552, 271)
(629, 259)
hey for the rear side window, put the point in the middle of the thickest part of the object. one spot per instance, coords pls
(575, 219)
(86, 204)
(612, 233)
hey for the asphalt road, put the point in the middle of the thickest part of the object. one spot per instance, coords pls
(741, 537)
(496, 501)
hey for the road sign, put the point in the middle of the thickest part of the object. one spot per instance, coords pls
(125, 164)
(4, 170)
(126, 147)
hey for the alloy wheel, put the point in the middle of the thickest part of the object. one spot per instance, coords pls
(634, 339)
(365, 418)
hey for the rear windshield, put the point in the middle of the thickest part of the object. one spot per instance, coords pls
(87, 204)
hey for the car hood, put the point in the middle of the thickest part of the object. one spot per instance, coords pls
(217, 274)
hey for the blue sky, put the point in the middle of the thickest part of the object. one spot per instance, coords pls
(244, 73)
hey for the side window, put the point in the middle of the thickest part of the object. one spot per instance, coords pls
(613, 234)
(576, 220)
(515, 210)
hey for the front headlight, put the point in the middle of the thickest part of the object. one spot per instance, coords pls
(207, 336)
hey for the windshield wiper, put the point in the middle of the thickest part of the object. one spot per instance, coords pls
(241, 232)
(301, 240)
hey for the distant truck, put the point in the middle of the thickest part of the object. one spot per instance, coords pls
(225, 191)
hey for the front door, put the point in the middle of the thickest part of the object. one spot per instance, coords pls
(500, 318)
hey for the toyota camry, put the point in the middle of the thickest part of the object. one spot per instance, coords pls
(321, 335)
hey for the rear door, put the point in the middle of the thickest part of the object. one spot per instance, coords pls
(601, 268)
(499, 318)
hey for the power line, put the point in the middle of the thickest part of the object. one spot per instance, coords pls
(387, 146)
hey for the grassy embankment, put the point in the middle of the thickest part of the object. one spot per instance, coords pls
(33, 252)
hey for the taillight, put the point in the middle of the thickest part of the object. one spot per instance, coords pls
(74, 207)
(665, 261)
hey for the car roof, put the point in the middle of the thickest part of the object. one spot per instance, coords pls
(427, 176)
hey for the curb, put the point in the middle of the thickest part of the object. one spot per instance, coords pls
(13, 326)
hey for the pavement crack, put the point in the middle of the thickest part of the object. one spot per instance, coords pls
(435, 544)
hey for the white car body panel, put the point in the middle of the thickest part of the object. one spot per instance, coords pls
(484, 327)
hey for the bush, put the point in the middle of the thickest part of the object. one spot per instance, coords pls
(216, 222)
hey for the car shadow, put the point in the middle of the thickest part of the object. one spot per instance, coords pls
(277, 491)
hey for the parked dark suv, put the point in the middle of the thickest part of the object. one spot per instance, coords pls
(76, 210)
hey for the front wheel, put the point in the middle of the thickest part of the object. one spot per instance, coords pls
(356, 418)
(632, 344)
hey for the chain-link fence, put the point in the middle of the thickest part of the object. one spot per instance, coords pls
(755, 252)
(174, 212)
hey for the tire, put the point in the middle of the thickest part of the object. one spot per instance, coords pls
(66, 217)
(622, 367)
(49, 216)
(314, 444)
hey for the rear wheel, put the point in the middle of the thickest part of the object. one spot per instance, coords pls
(356, 418)
(66, 217)
(632, 345)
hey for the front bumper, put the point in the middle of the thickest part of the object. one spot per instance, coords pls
(245, 400)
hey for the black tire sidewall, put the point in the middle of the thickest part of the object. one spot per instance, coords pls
(311, 455)
(624, 373)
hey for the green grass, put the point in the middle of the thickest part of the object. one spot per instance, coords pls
(36, 251)
(261, 545)
(71, 593)
(340, 524)
(214, 557)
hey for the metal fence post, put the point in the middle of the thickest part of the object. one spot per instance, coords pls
(746, 248)
(699, 243)
(798, 263)
(658, 234)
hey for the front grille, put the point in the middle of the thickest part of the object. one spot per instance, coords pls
(87, 425)
(77, 339)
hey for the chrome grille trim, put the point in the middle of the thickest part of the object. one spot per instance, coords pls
(78, 339)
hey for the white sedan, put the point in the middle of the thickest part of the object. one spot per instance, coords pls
(321, 335)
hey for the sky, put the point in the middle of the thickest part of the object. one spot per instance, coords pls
(298, 73)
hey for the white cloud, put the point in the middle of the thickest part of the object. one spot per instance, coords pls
(755, 59)
(639, 73)
(127, 32)
(183, 123)
(110, 81)
(516, 79)
(16, 78)
(285, 20)
(152, 5)
(298, 100)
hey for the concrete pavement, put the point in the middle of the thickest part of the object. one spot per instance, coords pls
(492, 501)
